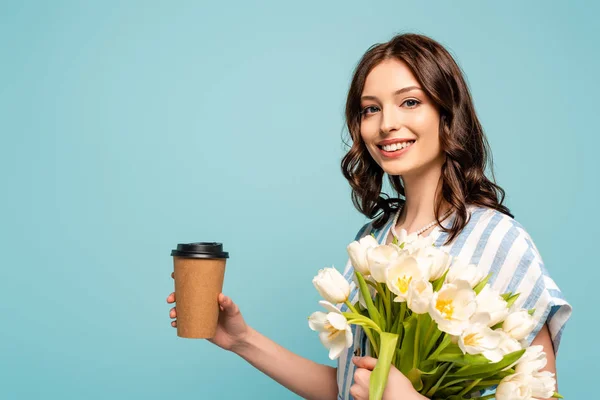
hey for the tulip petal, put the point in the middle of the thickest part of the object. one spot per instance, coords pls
(317, 320)
(329, 306)
(349, 337)
(337, 320)
(337, 347)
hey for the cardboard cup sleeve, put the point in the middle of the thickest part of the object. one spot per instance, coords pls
(198, 282)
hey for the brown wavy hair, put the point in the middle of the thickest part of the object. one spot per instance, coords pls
(463, 179)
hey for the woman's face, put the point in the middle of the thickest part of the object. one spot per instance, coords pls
(399, 123)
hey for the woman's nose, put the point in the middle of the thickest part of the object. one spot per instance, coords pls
(391, 120)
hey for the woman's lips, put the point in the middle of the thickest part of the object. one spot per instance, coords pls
(395, 154)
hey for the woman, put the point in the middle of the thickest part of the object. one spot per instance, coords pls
(410, 116)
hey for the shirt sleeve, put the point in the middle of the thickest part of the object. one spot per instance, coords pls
(538, 291)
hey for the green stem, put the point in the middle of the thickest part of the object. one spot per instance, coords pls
(429, 333)
(402, 310)
(351, 307)
(371, 283)
(364, 321)
(490, 383)
(470, 387)
(386, 303)
(372, 340)
(488, 397)
(417, 343)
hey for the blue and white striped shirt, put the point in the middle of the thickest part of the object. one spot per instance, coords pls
(496, 243)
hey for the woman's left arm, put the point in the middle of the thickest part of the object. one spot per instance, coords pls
(543, 339)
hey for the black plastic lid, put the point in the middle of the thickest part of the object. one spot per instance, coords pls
(200, 250)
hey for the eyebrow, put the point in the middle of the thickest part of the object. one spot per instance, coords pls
(397, 92)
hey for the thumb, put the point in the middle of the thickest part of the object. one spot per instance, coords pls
(365, 362)
(227, 305)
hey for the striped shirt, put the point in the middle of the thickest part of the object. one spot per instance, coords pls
(496, 243)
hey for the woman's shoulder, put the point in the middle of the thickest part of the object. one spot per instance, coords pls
(495, 241)
(490, 223)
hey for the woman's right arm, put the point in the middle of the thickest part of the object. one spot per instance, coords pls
(306, 378)
(302, 376)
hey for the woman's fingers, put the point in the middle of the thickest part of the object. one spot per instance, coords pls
(171, 298)
(227, 304)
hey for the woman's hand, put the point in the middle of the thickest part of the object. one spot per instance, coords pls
(398, 386)
(231, 327)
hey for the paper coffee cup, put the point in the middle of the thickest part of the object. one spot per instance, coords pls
(199, 273)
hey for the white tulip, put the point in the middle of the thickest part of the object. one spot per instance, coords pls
(357, 250)
(514, 387)
(480, 339)
(437, 261)
(491, 307)
(542, 384)
(405, 238)
(518, 324)
(334, 331)
(459, 270)
(379, 259)
(508, 344)
(452, 307)
(332, 285)
(399, 275)
(419, 296)
(533, 360)
(413, 244)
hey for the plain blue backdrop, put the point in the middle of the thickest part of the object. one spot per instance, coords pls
(130, 126)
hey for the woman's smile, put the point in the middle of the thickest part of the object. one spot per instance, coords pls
(395, 149)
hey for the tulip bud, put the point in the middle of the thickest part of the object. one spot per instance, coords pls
(518, 324)
(332, 285)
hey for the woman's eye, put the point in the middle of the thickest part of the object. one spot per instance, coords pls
(368, 110)
(411, 103)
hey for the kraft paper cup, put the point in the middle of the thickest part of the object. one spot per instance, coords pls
(199, 274)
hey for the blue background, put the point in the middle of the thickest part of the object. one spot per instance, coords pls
(128, 127)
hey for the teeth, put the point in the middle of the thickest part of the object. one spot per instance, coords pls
(397, 146)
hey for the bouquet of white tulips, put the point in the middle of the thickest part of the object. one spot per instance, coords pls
(436, 319)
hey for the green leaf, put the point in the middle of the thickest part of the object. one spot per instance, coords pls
(453, 353)
(431, 343)
(434, 375)
(429, 367)
(497, 326)
(373, 312)
(426, 328)
(414, 376)
(479, 287)
(380, 374)
(439, 282)
(506, 295)
(445, 342)
(407, 347)
(511, 300)
(435, 387)
(532, 311)
(476, 371)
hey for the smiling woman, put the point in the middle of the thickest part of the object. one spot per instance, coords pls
(411, 117)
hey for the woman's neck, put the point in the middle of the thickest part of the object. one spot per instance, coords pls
(420, 191)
